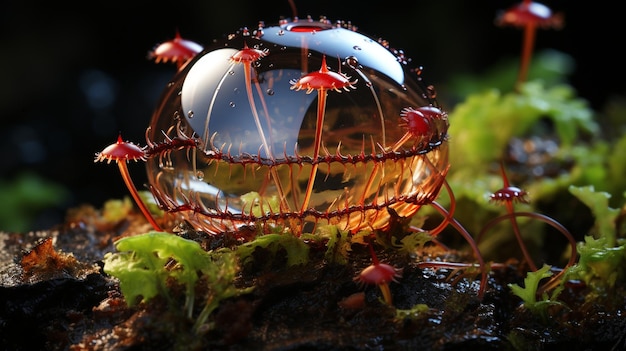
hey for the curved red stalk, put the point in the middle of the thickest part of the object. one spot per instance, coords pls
(374, 257)
(322, 81)
(550, 221)
(133, 191)
(528, 43)
(121, 152)
(508, 202)
(384, 287)
(468, 237)
(528, 15)
(450, 216)
(321, 111)
(527, 50)
(246, 56)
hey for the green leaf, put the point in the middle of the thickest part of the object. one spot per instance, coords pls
(528, 293)
(339, 244)
(598, 203)
(514, 114)
(135, 280)
(616, 163)
(413, 242)
(297, 250)
(141, 266)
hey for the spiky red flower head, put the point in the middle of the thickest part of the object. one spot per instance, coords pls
(323, 80)
(530, 12)
(177, 50)
(417, 121)
(121, 151)
(414, 122)
(432, 113)
(510, 193)
(248, 54)
(379, 273)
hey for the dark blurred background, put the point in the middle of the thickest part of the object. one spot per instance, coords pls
(72, 79)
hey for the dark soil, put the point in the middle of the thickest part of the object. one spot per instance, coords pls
(66, 302)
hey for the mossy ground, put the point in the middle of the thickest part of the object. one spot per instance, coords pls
(315, 306)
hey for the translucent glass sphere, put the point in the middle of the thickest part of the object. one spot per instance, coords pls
(291, 126)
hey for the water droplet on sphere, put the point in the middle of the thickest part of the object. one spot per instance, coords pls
(352, 61)
(432, 93)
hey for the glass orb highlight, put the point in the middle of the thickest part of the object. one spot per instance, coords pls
(295, 125)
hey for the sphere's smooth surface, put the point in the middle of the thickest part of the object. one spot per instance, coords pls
(295, 125)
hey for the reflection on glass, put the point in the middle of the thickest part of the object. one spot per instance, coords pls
(307, 117)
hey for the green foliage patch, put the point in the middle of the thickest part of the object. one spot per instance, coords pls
(147, 264)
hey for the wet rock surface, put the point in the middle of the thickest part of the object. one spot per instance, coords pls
(317, 306)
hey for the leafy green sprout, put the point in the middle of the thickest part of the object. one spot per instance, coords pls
(146, 263)
(516, 115)
(529, 292)
(602, 254)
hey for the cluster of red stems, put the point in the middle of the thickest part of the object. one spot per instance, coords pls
(527, 15)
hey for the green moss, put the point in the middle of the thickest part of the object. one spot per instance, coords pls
(473, 121)
(147, 264)
(142, 264)
(602, 254)
(115, 210)
(414, 313)
(412, 243)
(338, 246)
(297, 251)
